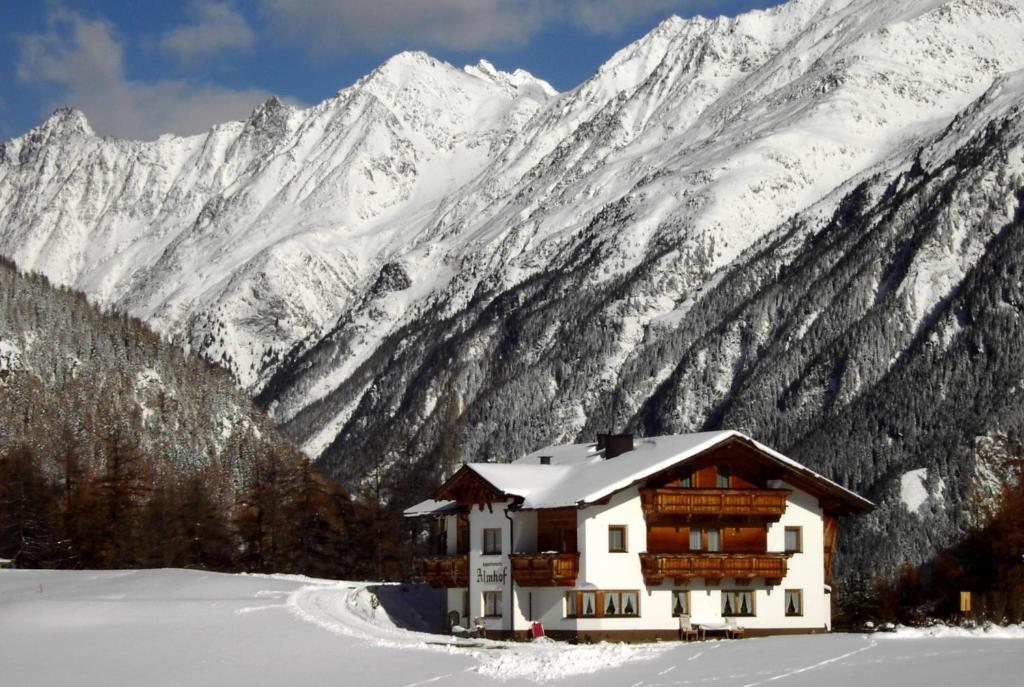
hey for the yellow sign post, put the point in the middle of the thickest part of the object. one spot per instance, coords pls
(965, 602)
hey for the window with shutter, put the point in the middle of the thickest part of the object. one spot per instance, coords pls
(737, 603)
(570, 604)
(589, 603)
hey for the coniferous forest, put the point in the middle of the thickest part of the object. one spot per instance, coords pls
(118, 450)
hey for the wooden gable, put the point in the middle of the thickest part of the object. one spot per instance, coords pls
(752, 468)
(747, 468)
(468, 488)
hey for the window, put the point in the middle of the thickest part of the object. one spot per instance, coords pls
(680, 602)
(492, 604)
(570, 605)
(462, 535)
(722, 481)
(560, 539)
(630, 603)
(714, 540)
(589, 603)
(601, 604)
(737, 603)
(620, 604)
(794, 602)
(695, 539)
(492, 541)
(617, 538)
(794, 540)
(686, 478)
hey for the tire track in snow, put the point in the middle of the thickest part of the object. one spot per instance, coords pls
(340, 609)
(814, 666)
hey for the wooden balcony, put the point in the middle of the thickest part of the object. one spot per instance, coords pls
(446, 571)
(721, 505)
(545, 569)
(682, 567)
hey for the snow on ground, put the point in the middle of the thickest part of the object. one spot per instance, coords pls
(914, 489)
(178, 627)
(982, 631)
(913, 492)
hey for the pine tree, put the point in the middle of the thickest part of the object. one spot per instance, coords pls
(27, 505)
(318, 513)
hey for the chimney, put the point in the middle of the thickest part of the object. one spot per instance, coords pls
(614, 444)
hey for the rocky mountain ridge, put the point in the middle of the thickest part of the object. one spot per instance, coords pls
(774, 222)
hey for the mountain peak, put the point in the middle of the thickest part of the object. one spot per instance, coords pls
(270, 117)
(68, 120)
(410, 65)
(511, 81)
(409, 59)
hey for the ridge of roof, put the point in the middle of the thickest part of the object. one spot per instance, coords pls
(578, 474)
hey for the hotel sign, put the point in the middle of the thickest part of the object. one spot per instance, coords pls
(491, 576)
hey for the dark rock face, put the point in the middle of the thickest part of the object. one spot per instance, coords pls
(392, 277)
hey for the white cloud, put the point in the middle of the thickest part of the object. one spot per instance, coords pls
(218, 27)
(611, 16)
(340, 26)
(85, 61)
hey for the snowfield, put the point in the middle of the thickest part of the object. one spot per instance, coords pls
(179, 627)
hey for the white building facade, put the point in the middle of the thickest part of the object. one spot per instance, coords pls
(622, 539)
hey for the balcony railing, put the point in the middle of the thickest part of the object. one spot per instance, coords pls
(679, 504)
(545, 569)
(686, 566)
(446, 571)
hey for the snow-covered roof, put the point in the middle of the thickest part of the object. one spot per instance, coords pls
(430, 507)
(578, 474)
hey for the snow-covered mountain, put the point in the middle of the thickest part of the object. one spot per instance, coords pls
(760, 221)
(248, 239)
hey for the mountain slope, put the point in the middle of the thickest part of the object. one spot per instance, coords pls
(757, 222)
(75, 378)
(245, 240)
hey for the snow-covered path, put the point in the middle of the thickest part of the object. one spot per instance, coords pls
(176, 627)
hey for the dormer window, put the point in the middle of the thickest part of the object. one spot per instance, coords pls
(722, 480)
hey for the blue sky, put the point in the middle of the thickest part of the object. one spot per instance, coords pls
(138, 68)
